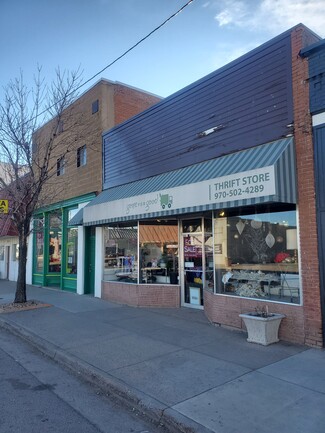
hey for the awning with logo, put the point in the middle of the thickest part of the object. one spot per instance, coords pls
(262, 174)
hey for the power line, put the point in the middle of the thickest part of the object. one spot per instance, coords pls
(136, 44)
(122, 55)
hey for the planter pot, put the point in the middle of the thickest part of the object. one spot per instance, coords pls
(262, 330)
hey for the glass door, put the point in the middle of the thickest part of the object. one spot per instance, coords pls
(193, 266)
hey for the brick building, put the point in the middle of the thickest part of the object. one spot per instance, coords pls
(222, 213)
(57, 257)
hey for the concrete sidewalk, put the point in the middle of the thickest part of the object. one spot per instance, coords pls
(175, 366)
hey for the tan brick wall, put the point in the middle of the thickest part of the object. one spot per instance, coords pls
(80, 127)
(142, 295)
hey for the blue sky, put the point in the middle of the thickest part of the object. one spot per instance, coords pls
(92, 33)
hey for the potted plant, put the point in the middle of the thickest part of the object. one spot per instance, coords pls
(262, 326)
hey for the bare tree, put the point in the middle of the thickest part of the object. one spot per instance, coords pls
(29, 157)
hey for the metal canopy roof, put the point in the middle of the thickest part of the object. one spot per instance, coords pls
(279, 153)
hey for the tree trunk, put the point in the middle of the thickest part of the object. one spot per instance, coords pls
(20, 295)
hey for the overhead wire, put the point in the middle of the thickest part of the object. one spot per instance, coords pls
(120, 57)
(136, 44)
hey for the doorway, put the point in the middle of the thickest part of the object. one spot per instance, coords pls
(197, 258)
(192, 275)
(90, 247)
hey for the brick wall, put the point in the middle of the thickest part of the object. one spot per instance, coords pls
(142, 295)
(225, 310)
(303, 324)
(81, 127)
(128, 102)
(309, 265)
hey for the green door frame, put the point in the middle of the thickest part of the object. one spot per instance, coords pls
(90, 248)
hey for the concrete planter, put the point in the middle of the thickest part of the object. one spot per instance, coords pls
(262, 330)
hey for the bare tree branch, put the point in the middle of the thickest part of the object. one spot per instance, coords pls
(28, 155)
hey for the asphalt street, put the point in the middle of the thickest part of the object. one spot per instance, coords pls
(38, 395)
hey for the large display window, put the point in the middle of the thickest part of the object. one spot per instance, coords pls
(256, 256)
(147, 253)
(158, 247)
(121, 254)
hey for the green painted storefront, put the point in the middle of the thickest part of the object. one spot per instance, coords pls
(55, 244)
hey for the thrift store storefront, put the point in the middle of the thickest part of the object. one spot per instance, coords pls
(192, 238)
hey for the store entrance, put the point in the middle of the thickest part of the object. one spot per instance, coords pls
(90, 247)
(197, 260)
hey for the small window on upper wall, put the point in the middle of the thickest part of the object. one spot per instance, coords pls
(60, 126)
(82, 156)
(60, 166)
(95, 106)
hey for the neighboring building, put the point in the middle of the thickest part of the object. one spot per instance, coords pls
(8, 249)
(221, 213)
(62, 256)
(316, 80)
(8, 234)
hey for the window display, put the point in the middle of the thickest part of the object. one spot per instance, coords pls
(55, 241)
(72, 250)
(257, 256)
(121, 254)
(158, 244)
(158, 253)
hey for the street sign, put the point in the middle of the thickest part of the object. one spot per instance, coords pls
(4, 206)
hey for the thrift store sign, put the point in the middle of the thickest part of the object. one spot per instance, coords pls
(239, 186)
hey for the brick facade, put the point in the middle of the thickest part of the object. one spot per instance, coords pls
(309, 264)
(81, 126)
(303, 324)
(142, 295)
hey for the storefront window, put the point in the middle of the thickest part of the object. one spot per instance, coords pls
(39, 243)
(208, 252)
(158, 244)
(256, 256)
(55, 241)
(71, 245)
(15, 252)
(121, 254)
(2, 252)
(72, 250)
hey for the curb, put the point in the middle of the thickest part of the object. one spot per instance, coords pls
(151, 409)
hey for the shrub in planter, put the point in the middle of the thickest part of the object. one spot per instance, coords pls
(262, 326)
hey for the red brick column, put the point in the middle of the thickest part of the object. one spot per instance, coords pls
(306, 193)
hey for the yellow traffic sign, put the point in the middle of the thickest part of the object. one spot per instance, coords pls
(4, 207)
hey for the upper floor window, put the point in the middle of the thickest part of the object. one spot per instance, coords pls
(95, 106)
(60, 126)
(60, 166)
(81, 156)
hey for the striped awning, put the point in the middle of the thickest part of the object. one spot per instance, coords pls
(77, 219)
(262, 174)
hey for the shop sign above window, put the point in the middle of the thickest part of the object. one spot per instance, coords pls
(238, 186)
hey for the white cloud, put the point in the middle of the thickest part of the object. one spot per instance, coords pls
(272, 16)
(234, 12)
(226, 53)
